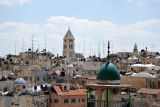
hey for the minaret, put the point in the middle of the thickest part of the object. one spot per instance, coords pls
(69, 45)
(108, 57)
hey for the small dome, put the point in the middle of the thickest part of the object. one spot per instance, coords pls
(20, 81)
(108, 71)
(143, 74)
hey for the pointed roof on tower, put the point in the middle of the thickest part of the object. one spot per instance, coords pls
(69, 34)
(135, 46)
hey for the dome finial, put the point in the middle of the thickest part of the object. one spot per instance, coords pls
(108, 50)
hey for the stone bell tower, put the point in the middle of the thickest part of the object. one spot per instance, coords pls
(135, 48)
(69, 45)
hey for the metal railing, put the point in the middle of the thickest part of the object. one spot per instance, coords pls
(146, 103)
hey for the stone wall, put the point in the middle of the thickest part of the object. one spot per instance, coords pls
(135, 82)
(5, 84)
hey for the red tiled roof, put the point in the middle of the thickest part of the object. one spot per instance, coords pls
(74, 92)
(71, 92)
(149, 91)
(50, 73)
(82, 87)
(57, 89)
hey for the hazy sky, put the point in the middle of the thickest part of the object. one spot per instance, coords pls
(123, 22)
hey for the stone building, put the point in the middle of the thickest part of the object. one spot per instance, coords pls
(152, 94)
(67, 98)
(107, 88)
(69, 45)
(141, 80)
(35, 75)
(24, 101)
(135, 50)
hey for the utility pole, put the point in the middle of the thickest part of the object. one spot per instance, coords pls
(84, 48)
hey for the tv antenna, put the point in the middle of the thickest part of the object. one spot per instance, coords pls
(32, 40)
(15, 47)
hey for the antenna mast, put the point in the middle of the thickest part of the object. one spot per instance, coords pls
(32, 40)
(84, 48)
(45, 43)
(90, 49)
(22, 44)
(112, 46)
(99, 53)
(15, 47)
(103, 49)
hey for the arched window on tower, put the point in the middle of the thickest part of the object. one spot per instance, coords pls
(65, 46)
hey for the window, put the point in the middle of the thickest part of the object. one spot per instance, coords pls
(158, 84)
(71, 54)
(5, 89)
(12, 103)
(70, 46)
(55, 100)
(70, 40)
(65, 87)
(50, 100)
(79, 100)
(73, 100)
(23, 87)
(44, 79)
(65, 40)
(37, 78)
(83, 100)
(65, 100)
(65, 46)
(31, 78)
(151, 84)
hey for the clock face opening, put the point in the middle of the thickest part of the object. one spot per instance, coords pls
(115, 91)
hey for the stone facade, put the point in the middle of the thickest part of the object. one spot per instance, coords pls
(68, 45)
(24, 101)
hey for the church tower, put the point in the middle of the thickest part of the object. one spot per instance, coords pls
(69, 45)
(135, 50)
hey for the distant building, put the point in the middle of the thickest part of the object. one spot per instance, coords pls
(107, 88)
(69, 45)
(71, 98)
(24, 101)
(135, 50)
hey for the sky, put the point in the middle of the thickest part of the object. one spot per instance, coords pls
(92, 23)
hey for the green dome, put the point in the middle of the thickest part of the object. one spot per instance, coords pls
(108, 71)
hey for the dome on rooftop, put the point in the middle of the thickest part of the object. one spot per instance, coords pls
(143, 74)
(108, 71)
(34, 67)
(20, 81)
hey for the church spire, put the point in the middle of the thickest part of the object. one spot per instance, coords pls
(69, 34)
(135, 48)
